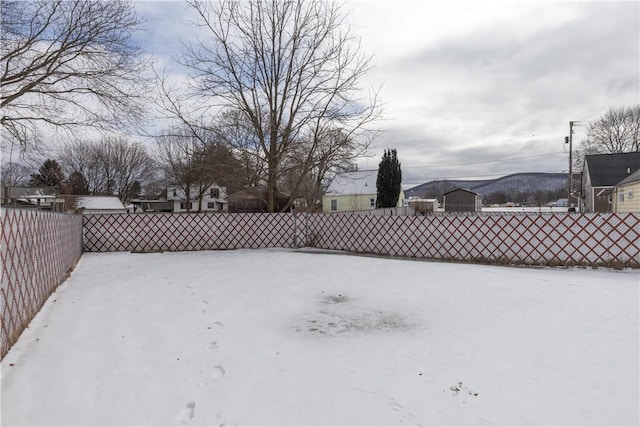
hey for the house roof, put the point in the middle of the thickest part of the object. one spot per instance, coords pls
(17, 192)
(258, 192)
(634, 177)
(460, 189)
(350, 183)
(607, 170)
(100, 202)
(93, 203)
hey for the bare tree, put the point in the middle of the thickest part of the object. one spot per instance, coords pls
(109, 166)
(180, 154)
(78, 156)
(194, 158)
(236, 132)
(333, 152)
(291, 68)
(617, 131)
(15, 174)
(69, 64)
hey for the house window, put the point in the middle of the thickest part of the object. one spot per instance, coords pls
(211, 205)
(175, 193)
(372, 202)
(621, 198)
(334, 205)
(215, 193)
(630, 194)
(183, 205)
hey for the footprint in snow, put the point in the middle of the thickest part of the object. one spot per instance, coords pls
(218, 371)
(186, 414)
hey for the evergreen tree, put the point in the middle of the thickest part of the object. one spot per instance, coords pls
(77, 184)
(50, 174)
(389, 180)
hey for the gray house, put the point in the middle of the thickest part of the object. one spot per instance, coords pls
(600, 175)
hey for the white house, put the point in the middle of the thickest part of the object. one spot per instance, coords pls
(353, 191)
(214, 198)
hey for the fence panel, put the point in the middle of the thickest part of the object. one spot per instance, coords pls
(611, 240)
(188, 232)
(39, 250)
(531, 239)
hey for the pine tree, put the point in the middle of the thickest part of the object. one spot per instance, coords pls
(389, 180)
(77, 184)
(50, 174)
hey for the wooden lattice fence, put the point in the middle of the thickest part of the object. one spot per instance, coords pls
(39, 249)
(189, 232)
(611, 240)
(608, 240)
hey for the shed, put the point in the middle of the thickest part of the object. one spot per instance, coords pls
(94, 204)
(254, 199)
(422, 206)
(461, 200)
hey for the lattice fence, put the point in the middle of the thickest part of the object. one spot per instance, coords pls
(189, 232)
(39, 250)
(611, 240)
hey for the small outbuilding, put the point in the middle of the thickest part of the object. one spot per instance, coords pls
(93, 204)
(422, 206)
(461, 200)
(254, 199)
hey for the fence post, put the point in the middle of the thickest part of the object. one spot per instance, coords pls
(295, 229)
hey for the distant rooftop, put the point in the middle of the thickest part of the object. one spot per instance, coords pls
(99, 202)
(360, 182)
(607, 170)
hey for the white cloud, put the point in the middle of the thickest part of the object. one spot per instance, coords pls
(467, 81)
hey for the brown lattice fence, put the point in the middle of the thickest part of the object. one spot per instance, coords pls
(611, 240)
(39, 250)
(189, 232)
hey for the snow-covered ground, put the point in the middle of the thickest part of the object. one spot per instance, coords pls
(277, 337)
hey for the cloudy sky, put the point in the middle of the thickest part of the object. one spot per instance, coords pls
(474, 88)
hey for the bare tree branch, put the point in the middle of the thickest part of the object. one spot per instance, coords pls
(69, 64)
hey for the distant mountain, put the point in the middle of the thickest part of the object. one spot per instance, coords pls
(515, 184)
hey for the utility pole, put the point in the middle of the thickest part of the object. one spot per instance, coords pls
(569, 139)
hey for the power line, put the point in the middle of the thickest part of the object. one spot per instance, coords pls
(463, 177)
(484, 162)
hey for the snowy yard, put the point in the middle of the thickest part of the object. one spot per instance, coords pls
(280, 337)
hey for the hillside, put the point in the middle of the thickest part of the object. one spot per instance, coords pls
(518, 186)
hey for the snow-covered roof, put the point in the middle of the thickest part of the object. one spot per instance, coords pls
(99, 202)
(348, 183)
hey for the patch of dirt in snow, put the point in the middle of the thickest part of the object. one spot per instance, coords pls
(342, 316)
